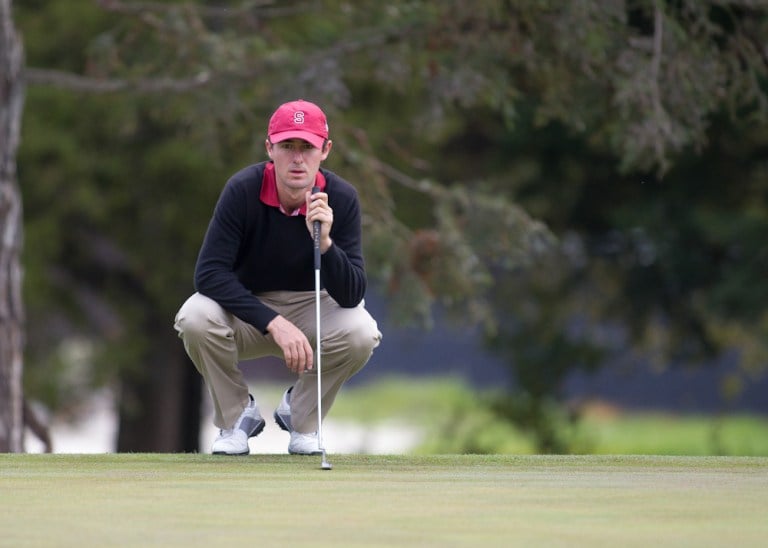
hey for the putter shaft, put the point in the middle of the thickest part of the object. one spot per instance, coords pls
(324, 465)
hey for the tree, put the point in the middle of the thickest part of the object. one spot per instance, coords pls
(431, 100)
(611, 115)
(11, 307)
(88, 289)
(96, 274)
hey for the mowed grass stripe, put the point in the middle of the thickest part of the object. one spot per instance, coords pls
(447, 500)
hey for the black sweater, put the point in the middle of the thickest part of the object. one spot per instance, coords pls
(251, 247)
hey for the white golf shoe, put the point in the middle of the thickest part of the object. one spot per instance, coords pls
(282, 414)
(300, 444)
(304, 444)
(234, 441)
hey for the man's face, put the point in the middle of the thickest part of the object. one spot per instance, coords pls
(296, 162)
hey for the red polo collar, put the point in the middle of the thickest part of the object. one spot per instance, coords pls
(268, 193)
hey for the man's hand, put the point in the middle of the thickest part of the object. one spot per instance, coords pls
(296, 348)
(319, 210)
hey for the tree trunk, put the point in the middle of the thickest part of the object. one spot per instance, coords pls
(160, 402)
(11, 307)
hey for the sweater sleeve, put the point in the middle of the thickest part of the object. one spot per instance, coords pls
(342, 265)
(215, 275)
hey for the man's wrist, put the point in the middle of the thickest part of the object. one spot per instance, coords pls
(272, 325)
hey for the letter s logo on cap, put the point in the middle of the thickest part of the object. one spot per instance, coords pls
(298, 117)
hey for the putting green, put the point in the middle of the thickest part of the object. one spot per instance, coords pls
(452, 500)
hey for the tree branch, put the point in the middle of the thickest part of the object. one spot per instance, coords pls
(265, 8)
(660, 114)
(86, 84)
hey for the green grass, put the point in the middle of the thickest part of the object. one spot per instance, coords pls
(664, 433)
(464, 500)
(453, 418)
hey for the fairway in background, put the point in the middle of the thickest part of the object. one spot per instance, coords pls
(445, 416)
(454, 418)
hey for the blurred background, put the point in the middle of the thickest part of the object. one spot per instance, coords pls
(565, 216)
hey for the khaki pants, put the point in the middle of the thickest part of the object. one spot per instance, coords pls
(217, 341)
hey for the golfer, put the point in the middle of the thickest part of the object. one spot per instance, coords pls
(254, 282)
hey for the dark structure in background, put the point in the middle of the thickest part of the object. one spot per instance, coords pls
(453, 351)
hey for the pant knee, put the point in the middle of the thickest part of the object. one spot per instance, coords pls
(361, 340)
(197, 317)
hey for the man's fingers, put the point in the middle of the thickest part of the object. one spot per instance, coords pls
(297, 351)
(309, 355)
(298, 356)
(291, 358)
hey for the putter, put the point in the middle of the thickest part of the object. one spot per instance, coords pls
(324, 465)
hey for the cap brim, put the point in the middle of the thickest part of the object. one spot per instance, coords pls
(315, 140)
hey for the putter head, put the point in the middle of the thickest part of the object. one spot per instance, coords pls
(325, 465)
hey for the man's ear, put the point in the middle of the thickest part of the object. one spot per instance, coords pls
(327, 148)
(268, 146)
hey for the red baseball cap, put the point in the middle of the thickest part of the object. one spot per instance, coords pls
(298, 120)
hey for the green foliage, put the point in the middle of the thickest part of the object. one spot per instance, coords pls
(117, 192)
(452, 418)
(455, 419)
(474, 131)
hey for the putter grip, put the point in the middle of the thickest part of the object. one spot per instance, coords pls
(316, 234)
